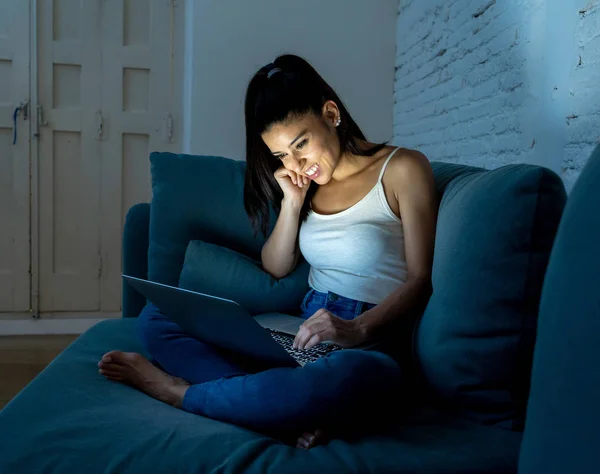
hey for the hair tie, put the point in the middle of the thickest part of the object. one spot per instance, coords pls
(272, 71)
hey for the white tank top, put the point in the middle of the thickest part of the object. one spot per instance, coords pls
(359, 252)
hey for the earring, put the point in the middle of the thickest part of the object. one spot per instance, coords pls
(339, 120)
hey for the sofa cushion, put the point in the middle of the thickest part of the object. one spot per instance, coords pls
(196, 198)
(135, 256)
(222, 272)
(562, 432)
(71, 419)
(475, 339)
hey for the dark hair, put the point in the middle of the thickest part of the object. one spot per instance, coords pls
(294, 91)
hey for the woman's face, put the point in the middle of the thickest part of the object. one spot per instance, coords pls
(308, 145)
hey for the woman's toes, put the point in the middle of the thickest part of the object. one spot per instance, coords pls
(108, 357)
(111, 374)
(310, 439)
(114, 356)
(301, 443)
(110, 367)
(306, 440)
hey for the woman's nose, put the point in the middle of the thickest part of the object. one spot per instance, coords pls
(298, 165)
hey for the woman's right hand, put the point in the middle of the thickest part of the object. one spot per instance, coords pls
(293, 185)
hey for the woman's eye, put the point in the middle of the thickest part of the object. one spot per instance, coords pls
(301, 144)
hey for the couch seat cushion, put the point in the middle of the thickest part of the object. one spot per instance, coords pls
(71, 419)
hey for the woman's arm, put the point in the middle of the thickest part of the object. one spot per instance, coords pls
(280, 253)
(414, 188)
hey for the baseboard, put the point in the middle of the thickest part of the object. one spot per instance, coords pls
(46, 326)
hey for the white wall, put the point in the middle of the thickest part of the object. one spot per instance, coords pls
(487, 82)
(351, 44)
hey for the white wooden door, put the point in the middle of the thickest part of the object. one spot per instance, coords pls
(15, 284)
(69, 72)
(109, 83)
(142, 44)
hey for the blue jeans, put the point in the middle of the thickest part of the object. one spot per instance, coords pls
(344, 384)
(341, 306)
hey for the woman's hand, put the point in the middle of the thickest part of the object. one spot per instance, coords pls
(325, 326)
(293, 185)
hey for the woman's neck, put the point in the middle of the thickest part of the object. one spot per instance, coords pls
(350, 164)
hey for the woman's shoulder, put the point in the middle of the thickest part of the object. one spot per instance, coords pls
(406, 162)
(408, 169)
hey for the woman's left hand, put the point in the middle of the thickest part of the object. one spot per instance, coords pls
(325, 326)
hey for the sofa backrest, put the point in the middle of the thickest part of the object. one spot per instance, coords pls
(562, 430)
(196, 198)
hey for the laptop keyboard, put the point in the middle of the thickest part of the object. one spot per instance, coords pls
(305, 355)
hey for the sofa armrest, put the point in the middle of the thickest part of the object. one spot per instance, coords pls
(135, 256)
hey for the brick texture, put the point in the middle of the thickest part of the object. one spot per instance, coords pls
(493, 82)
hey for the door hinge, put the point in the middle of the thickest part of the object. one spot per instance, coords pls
(100, 266)
(99, 125)
(168, 126)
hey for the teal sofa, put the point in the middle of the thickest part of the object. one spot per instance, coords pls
(503, 245)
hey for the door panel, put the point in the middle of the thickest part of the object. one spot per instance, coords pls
(141, 88)
(69, 71)
(15, 282)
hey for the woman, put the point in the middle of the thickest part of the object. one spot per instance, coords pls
(362, 214)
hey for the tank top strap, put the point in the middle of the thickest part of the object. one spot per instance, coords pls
(386, 163)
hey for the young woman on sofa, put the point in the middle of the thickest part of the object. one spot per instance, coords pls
(362, 214)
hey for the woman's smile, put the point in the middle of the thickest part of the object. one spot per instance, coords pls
(313, 172)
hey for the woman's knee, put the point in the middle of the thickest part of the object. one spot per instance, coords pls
(353, 370)
(151, 325)
(361, 361)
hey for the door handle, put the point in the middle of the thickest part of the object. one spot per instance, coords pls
(23, 108)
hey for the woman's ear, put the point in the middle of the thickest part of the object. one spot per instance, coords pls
(330, 112)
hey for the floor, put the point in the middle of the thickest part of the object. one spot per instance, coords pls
(23, 357)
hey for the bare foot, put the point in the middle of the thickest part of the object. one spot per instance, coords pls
(308, 439)
(135, 370)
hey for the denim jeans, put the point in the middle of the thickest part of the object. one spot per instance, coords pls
(349, 383)
(341, 306)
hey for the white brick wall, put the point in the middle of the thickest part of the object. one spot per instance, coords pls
(493, 82)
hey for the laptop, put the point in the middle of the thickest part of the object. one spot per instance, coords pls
(267, 338)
